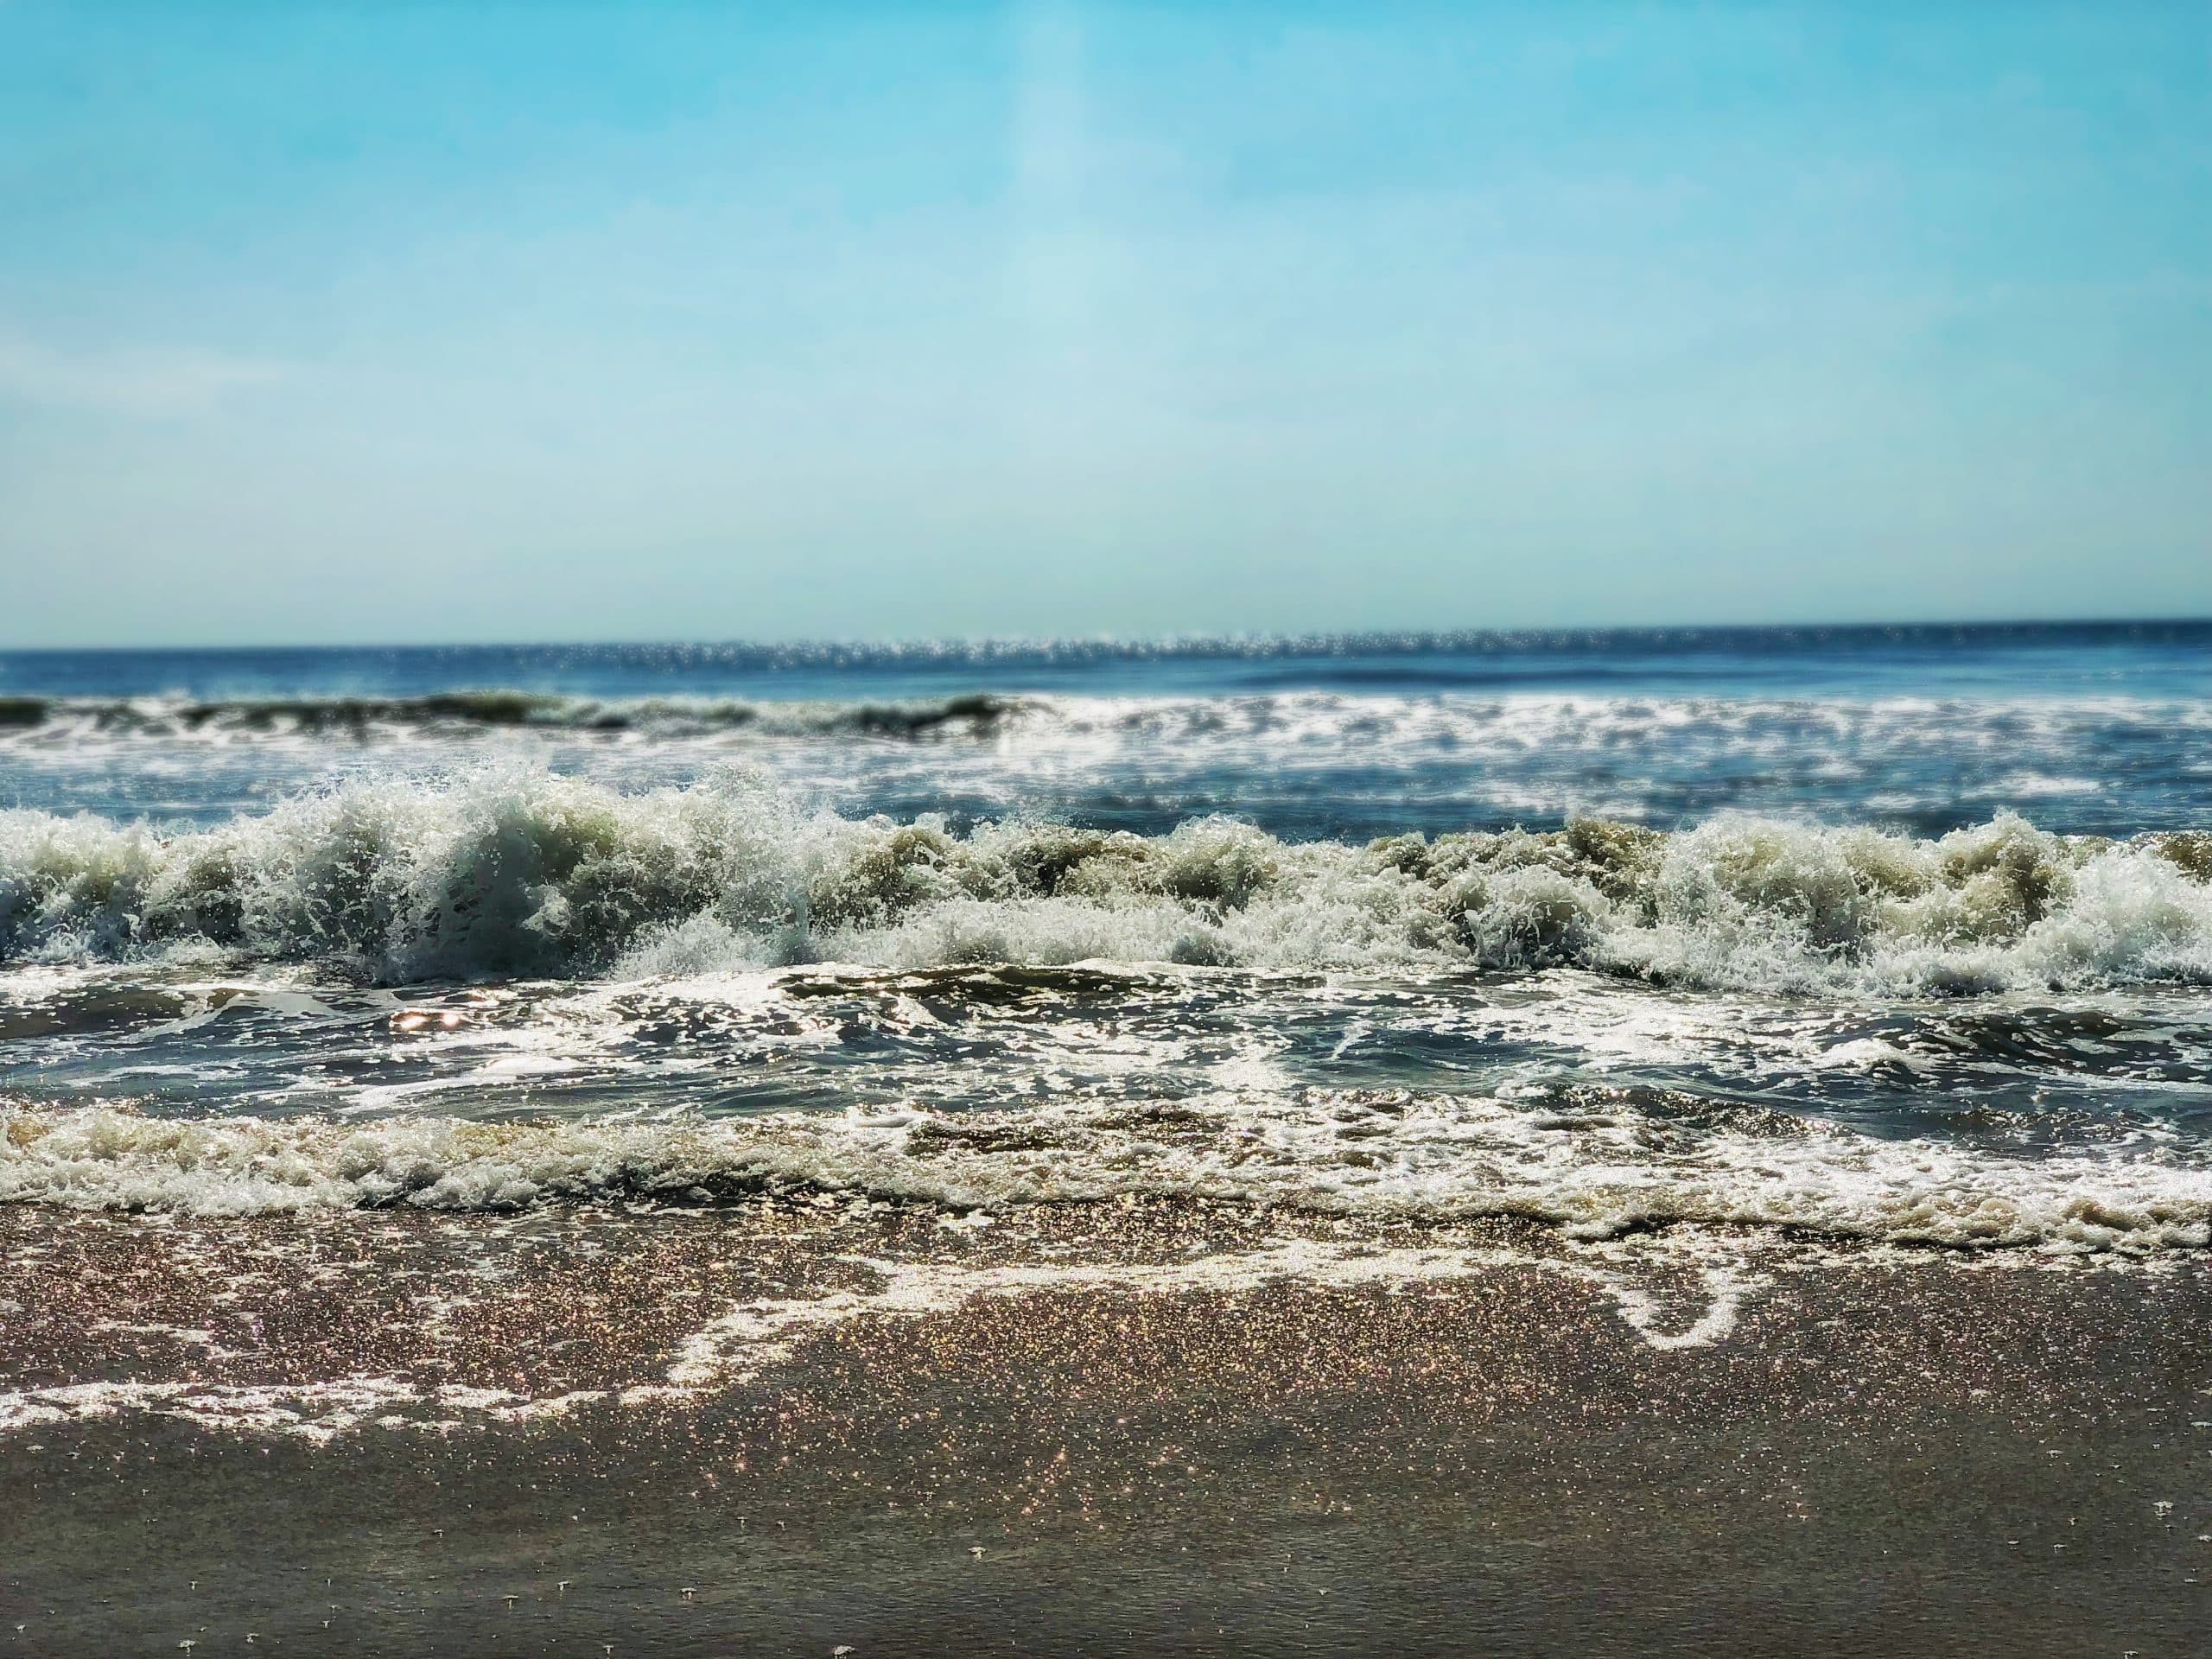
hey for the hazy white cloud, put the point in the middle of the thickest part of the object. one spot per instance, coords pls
(142, 381)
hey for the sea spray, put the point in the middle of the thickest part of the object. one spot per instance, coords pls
(514, 869)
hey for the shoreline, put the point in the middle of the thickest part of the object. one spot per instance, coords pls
(1168, 1427)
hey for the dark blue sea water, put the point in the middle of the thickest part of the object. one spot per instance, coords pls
(2152, 659)
(2089, 728)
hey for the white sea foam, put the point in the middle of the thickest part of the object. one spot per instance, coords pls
(739, 1345)
(514, 869)
(755, 1335)
(1594, 1172)
(319, 1412)
(1297, 757)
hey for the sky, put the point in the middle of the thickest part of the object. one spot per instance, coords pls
(410, 323)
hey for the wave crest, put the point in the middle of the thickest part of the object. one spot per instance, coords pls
(77, 718)
(515, 871)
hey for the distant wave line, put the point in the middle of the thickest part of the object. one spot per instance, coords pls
(1051, 650)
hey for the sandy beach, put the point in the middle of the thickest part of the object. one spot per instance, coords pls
(1099, 1429)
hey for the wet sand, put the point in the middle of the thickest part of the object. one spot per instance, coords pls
(786, 1427)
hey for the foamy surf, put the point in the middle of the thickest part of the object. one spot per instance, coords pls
(518, 870)
(1593, 1175)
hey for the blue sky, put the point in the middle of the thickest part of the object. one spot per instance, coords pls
(411, 323)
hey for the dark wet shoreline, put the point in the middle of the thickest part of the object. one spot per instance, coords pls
(1884, 1452)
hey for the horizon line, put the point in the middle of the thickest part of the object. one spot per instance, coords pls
(1178, 644)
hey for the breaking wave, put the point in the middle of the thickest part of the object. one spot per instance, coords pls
(1596, 1166)
(79, 718)
(512, 870)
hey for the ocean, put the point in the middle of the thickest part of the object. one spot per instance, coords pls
(612, 1075)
